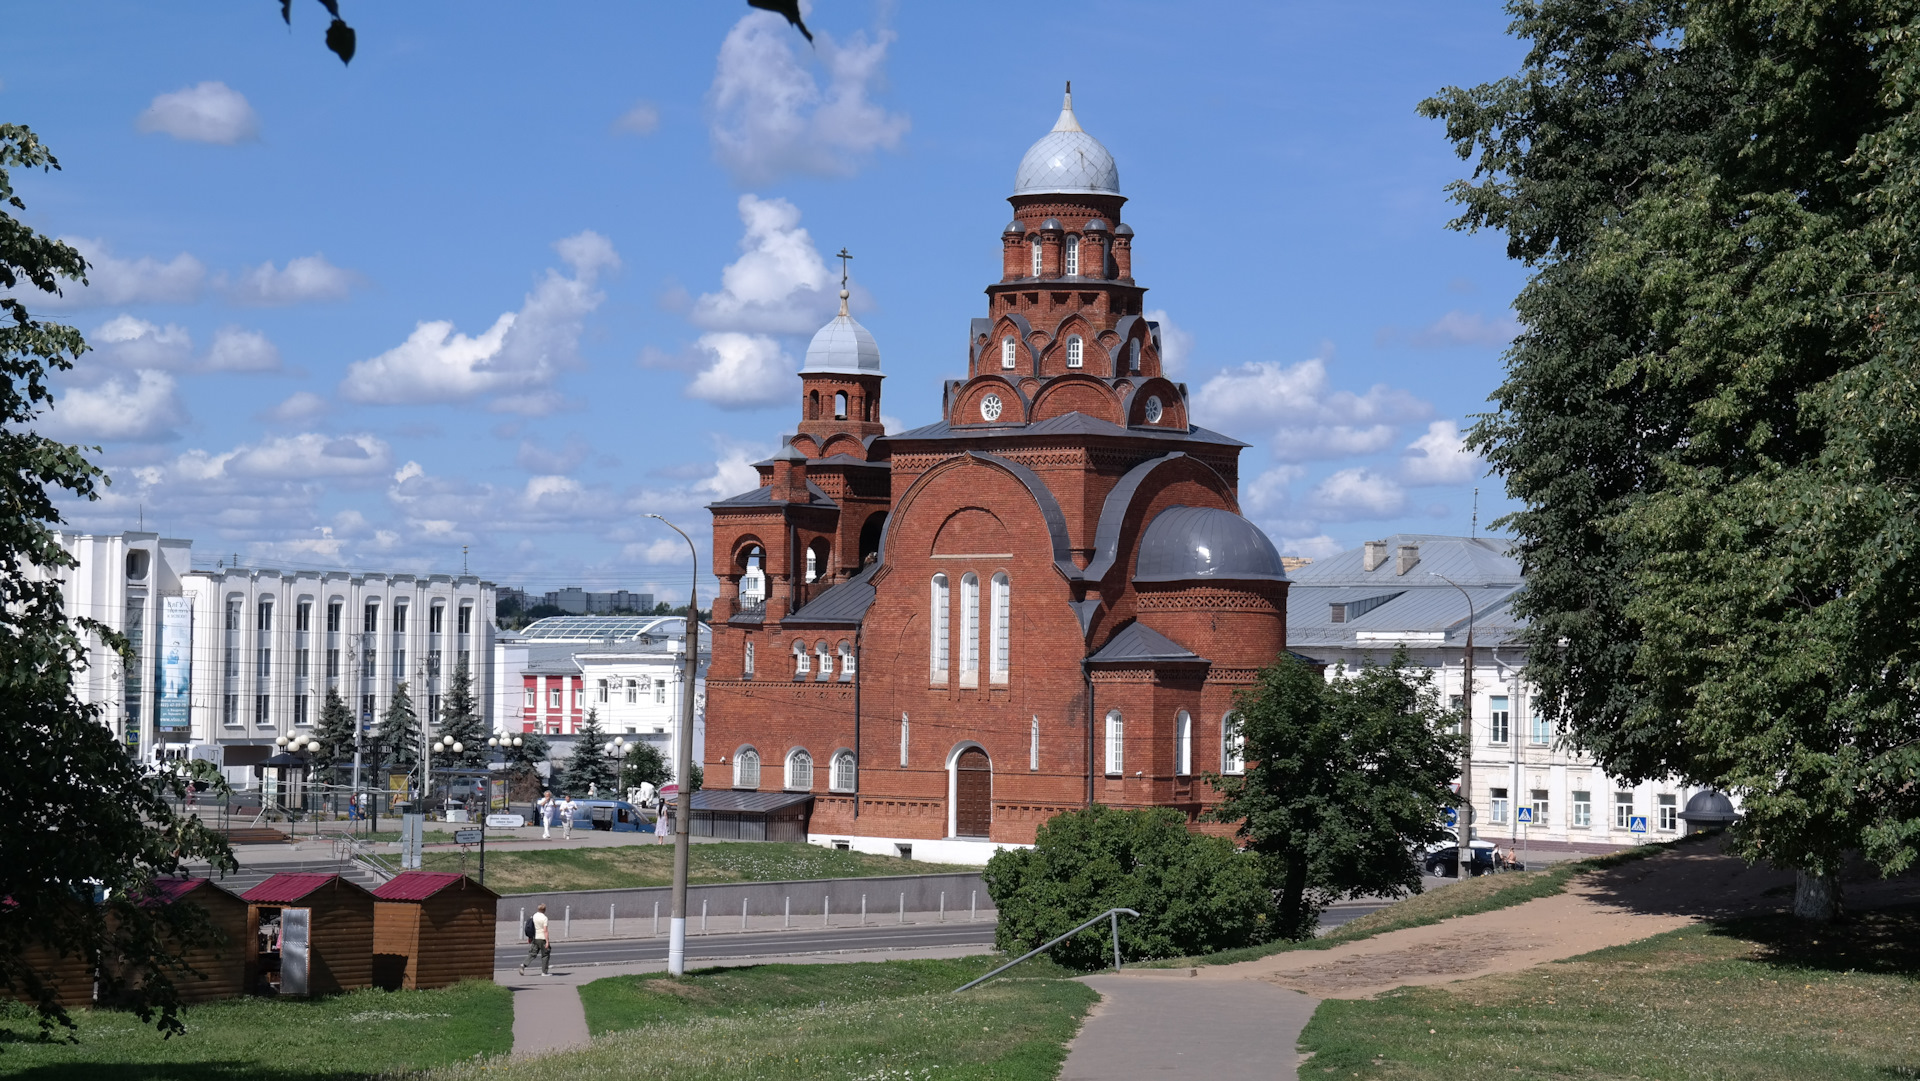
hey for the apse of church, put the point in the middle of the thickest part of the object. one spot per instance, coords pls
(1044, 600)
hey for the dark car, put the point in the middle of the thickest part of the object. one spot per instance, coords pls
(1445, 862)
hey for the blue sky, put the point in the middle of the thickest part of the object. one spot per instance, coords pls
(521, 274)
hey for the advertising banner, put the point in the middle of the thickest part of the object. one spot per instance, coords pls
(174, 660)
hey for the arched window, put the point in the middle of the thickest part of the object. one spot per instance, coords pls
(746, 666)
(813, 405)
(800, 770)
(1073, 351)
(1116, 744)
(800, 663)
(937, 627)
(839, 405)
(1006, 353)
(826, 660)
(813, 564)
(1233, 745)
(969, 629)
(843, 772)
(846, 661)
(1073, 256)
(1133, 355)
(1183, 744)
(1001, 655)
(1036, 258)
(1033, 747)
(746, 768)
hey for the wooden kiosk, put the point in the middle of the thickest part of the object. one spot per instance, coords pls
(222, 963)
(309, 934)
(432, 930)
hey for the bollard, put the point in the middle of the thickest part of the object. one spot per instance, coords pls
(656, 919)
(703, 915)
(566, 928)
(903, 908)
(863, 910)
(943, 906)
(611, 929)
(973, 906)
(743, 913)
(826, 911)
(788, 925)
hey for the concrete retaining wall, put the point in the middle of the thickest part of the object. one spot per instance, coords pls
(809, 897)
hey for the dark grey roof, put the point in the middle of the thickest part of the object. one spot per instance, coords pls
(845, 603)
(1050, 223)
(764, 495)
(1424, 609)
(1068, 424)
(1096, 225)
(1113, 514)
(1184, 544)
(788, 452)
(1470, 561)
(831, 459)
(756, 613)
(1710, 808)
(1123, 229)
(722, 799)
(1139, 643)
(1014, 226)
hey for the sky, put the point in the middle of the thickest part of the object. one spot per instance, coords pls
(520, 275)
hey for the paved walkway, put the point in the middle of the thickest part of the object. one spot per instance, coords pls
(1164, 1023)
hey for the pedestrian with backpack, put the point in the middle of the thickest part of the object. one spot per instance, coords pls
(538, 945)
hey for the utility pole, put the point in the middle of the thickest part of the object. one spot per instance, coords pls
(683, 768)
(1465, 832)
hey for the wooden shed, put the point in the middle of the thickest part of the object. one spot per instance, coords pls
(71, 976)
(222, 964)
(309, 934)
(432, 929)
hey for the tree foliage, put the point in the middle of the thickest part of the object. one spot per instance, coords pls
(1711, 416)
(590, 764)
(1343, 778)
(335, 733)
(1195, 894)
(82, 816)
(645, 762)
(460, 718)
(400, 740)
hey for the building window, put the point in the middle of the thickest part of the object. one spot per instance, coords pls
(1669, 813)
(746, 666)
(1006, 353)
(1582, 808)
(1073, 352)
(801, 664)
(846, 661)
(839, 405)
(1539, 730)
(746, 768)
(303, 616)
(1499, 719)
(1622, 810)
(844, 773)
(937, 630)
(1183, 744)
(230, 711)
(1540, 807)
(633, 692)
(1116, 743)
(1072, 252)
(969, 630)
(903, 741)
(333, 668)
(1497, 806)
(371, 617)
(1002, 654)
(1033, 745)
(659, 692)
(436, 618)
(300, 710)
(530, 702)
(826, 660)
(1233, 745)
(333, 617)
(603, 691)
(300, 658)
(553, 698)
(466, 619)
(266, 614)
(813, 564)
(800, 771)
(262, 710)
(1133, 355)
(1036, 259)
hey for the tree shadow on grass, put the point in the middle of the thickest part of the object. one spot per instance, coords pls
(1882, 941)
(208, 1070)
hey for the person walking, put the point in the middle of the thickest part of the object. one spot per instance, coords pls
(567, 807)
(545, 810)
(539, 947)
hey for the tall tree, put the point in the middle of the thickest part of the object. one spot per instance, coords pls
(589, 764)
(335, 732)
(646, 763)
(460, 718)
(400, 738)
(82, 815)
(1709, 416)
(1343, 777)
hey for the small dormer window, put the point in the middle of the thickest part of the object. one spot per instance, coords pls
(1073, 255)
(1006, 353)
(1338, 613)
(1036, 258)
(1133, 355)
(1073, 352)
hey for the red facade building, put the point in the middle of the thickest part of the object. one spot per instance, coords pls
(1044, 600)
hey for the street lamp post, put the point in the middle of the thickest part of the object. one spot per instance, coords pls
(683, 768)
(617, 747)
(1465, 837)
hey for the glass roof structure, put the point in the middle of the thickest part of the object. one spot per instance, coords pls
(603, 628)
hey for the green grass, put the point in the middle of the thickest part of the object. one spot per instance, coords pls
(631, 866)
(1765, 999)
(359, 1035)
(884, 1021)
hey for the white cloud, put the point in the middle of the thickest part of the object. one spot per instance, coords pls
(779, 285)
(209, 112)
(1315, 547)
(1455, 328)
(237, 349)
(1440, 457)
(1269, 492)
(746, 371)
(520, 354)
(1357, 493)
(115, 281)
(138, 408)
(1176, 345)
(1307, 419)
(771, 117)
(307, 278)
(535, 458)
(299, 406)
(137, 343)
(306, 456)
(642, 119)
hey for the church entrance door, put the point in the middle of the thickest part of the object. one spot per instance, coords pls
(973, 794)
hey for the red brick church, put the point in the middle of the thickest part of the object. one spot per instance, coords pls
(1046, 599)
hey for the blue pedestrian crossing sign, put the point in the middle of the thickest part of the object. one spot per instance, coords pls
(1453, 816)
(1637, 824)
(1525, 814)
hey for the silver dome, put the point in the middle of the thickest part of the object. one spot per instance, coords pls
(1014, 226)
(1067, 160)
(1184, 544)
(844, 347)
(1097, 225)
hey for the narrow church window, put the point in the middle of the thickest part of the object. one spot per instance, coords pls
(903, 741)
(1183, 744)
(969, 630)
(846, 662)
(1006, 353)
(826, 660)
(813, 564)
(800, 662)
(1116, 730)
(937, 626)
(1033, 748)
(1073, 255)
(800, 770)
(1002, 626)
(843, 772)
(746, 768)
(1036, 258)
(813, 405)
(1133, 355)
(746, 669)
(839, 405)
(1233, 745)
(1073, 351)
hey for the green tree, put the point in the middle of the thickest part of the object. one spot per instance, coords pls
(83, 815)
(646, 763)
(460, 718)
(1714, 528)
(335, 732)
(1343, 777)
(589, 764)
(400, 740)
(1195, 894)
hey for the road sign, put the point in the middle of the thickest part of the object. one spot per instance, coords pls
(1637, 824)
(467, 837)
(1453, 816)
(1525, 814)
(506, 822)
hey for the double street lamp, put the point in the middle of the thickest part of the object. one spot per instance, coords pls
(617, 747)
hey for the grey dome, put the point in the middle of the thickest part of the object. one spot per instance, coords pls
(1014, 226)
(1123, 229)
(843, 346)
(1709, 808)
(1096, 226)
(1067, 160)
(1051, 225)
(1183, 544)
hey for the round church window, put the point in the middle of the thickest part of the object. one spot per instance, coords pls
(1153, 410)
(990, 407)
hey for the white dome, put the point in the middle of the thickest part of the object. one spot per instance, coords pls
(843, 346)
(1067, 160)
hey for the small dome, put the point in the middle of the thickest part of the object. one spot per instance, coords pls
(1096, 226)
(1123, 229)
(1051, 225)
(1015, 228)
(1709, 808)
(1183, 544)
(843, 346)
(1067, 160)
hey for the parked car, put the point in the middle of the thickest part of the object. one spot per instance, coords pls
(1445, 862)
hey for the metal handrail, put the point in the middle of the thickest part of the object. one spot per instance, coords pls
(1112, 914)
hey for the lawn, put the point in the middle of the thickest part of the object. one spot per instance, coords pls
(1761, 999)
(359, 1035)
(892, 1020)
(630, 866)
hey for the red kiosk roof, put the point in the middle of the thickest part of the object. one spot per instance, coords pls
(415, 885)
(287, 888)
